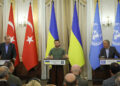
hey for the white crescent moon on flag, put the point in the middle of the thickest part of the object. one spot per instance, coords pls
(30, 25)
(11, 24)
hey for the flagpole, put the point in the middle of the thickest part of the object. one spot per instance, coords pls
(52, 1)
(75, 1)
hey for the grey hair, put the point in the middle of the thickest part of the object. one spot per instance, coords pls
(4, 73)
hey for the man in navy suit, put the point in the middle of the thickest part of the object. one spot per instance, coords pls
(7, 50)
(108, 51)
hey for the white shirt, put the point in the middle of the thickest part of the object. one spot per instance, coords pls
(107, 52)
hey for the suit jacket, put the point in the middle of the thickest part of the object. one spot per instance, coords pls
(81, 82)
(109, 82)
(3, 83)
(14, 80)
(112, 52)
(10, 54)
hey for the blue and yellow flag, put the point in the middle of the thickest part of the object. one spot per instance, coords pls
(53, 33)
(97, 41)
(116, 34)
(76, 55)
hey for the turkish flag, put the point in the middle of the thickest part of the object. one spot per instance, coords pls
(12, 33)
(29, 56)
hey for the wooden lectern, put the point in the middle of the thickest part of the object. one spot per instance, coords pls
(57, 71)
(103, 72)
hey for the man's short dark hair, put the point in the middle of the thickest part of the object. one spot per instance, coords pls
(6, 36)
(107, 41)
(115, 68)
(57, 40)
(8, 64)
(4, 72)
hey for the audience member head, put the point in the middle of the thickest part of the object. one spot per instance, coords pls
(114, 68)
(33, 83)
(4, 72)
(70, 80)
(50, 85)
(117, 80)
(7, 39)
(106, 44)
(57, 43)
(75, 69)
(10, 66)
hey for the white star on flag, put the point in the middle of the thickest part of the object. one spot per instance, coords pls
(12, 39)
(29, 39)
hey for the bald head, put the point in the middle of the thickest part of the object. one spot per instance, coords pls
(75, 69)
(70, 79)
(4, 72)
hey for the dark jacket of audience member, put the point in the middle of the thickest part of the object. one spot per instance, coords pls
(81, 82)
(76, 70)
(117, 79)
(114, 69)
(12, 80)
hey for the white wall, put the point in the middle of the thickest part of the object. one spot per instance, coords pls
(108, 8)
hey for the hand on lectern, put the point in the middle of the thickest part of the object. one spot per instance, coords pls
(50, 57)
(102, 57)
(66, 56)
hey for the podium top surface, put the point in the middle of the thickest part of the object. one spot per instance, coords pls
(54, 62)
(56, 59)
(109, 61)
(109, 58)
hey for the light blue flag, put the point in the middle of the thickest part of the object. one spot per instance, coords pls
(97, 41)
(116, 34)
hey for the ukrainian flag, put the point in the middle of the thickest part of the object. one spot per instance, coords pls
(53, 33)
(75, 53)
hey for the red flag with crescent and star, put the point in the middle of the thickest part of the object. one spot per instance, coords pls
(29, 56)
(12, 33)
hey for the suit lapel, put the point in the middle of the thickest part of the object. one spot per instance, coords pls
(8, 49)
(105, 53)
(109, 52)
(4, 48)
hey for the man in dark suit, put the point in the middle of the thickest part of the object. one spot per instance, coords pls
(108, 51)
(7, 50)
(114, 69)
